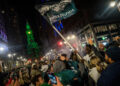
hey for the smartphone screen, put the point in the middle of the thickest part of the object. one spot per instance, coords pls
(52, 78)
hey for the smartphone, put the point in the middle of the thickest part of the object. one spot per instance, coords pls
(52, 78)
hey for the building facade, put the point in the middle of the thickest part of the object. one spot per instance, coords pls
(101, 32)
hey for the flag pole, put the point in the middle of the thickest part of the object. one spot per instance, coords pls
(57, 30)
(64, 39)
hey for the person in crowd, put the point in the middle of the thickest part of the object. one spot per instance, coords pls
(62, 70)
(96, 62)
(73, 56)
(111, 75)
(44, 67)
(59, 64)
(26, 77)
(113, 43)
(1, 75)
(15, 79)
(17, 82)
(96, 67)
(34, 71)
(58, 82)
(91, 51)
(78, 69)
(102, 50)
(42, 80)
(117, 39)
(21, 78)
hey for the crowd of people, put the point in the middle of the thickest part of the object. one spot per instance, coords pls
(98, 67)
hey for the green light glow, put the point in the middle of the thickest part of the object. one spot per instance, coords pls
(32, 46)
(27, 26)
(103, 38)
(29, 32)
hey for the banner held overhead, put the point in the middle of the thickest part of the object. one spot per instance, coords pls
(57, 10)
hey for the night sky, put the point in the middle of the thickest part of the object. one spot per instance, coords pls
(26, 8)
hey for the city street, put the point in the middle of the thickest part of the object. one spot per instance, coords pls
(59, 42)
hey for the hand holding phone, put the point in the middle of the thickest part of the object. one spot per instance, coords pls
(58, 82)
(52, 78)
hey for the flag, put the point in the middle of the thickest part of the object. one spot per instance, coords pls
(57, 10)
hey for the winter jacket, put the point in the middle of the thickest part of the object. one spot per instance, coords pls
(58, 66)
(34, 72)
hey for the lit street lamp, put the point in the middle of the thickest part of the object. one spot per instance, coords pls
(65, 42)
(68, 38)
(29, 32)
(115, 4)
(112, 3)
(9, 55)
(21, 57)
(18, 58)
(14, 54)
(73, 36)
(2, 49)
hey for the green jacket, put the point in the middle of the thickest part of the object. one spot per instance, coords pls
(45, 84)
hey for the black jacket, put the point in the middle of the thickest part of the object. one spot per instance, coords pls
(110, 76)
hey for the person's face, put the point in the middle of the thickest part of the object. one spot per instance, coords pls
(62, 58)
(41, 81)
(101, 46)
(51, 69)
(95, 61)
